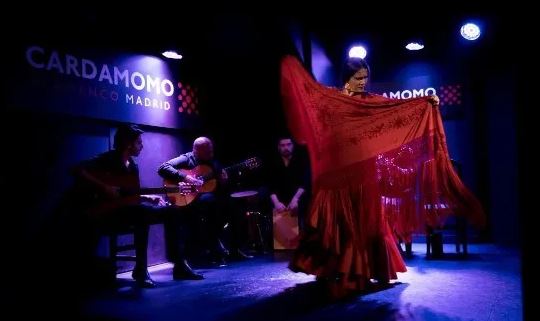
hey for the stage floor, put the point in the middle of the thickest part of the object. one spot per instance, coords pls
(486, 286)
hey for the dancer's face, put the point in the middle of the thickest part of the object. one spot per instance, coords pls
(357, 83)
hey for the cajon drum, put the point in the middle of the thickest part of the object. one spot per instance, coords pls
(285, 230)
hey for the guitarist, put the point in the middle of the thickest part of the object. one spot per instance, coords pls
(104, 175)
(207, 205)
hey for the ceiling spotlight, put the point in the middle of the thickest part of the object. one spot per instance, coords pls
(358, 52)
(414, 46)
(470, 31)
(172, 54)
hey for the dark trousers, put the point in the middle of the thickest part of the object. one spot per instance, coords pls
(197, 225)
(136, 217)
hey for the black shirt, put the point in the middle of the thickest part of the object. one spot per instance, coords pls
(111, 162)
(284, 181)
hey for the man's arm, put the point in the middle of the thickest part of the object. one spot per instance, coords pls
(303, 181)
(169, 169)
(293, 205)
(154, 199)
(273, 187)
(278, 206)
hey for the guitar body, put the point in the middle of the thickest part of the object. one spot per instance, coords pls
(184, 199)
(204, 173)
(99, 204)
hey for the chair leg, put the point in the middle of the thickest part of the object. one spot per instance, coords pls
(113, 248)
(428, 241)
(462, 232)
(408, 249)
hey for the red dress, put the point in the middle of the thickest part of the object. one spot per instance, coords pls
(365, 150)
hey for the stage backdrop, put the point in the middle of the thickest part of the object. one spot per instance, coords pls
(69, 100)
(103, 85)
(425, 79)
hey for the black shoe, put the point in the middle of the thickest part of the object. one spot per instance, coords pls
(239, 255)
(143, 279)
(182, 271)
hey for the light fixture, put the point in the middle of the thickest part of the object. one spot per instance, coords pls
(414, 46)
(172, 54)
(470, 31)
(358, 52)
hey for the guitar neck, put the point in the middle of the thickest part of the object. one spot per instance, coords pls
(235, 166)
(208, 174)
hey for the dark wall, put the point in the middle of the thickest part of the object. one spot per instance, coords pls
(503, 162)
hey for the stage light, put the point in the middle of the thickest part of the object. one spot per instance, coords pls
(172, 54)
(358, 52)
(470, 31)
(414, 46)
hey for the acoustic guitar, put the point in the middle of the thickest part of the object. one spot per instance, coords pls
(96, 203)
(205, 174)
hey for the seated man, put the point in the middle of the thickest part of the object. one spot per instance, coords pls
(198, 168)
(289, 181)
(106, 181)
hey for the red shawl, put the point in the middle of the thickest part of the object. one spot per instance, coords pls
(378, 165)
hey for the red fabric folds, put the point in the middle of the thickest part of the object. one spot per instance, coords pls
(380, 169)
